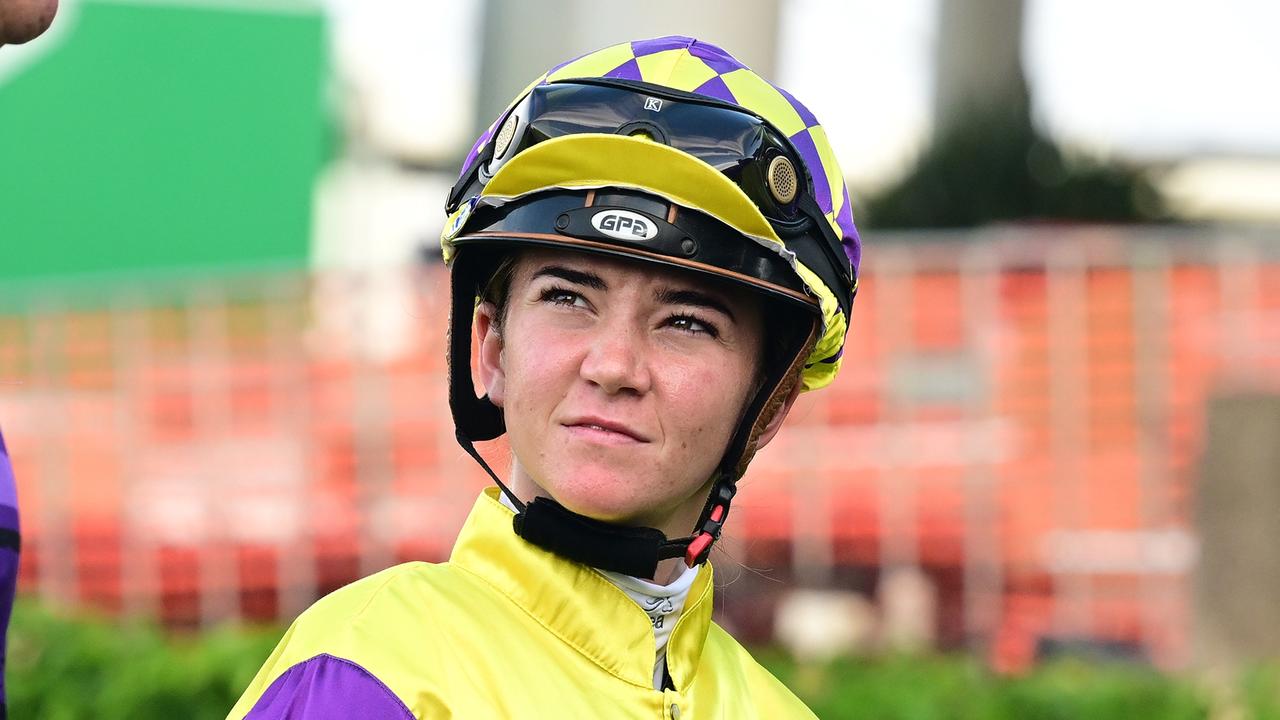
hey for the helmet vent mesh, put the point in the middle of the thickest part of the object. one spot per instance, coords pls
(505, 135)
(782, 179)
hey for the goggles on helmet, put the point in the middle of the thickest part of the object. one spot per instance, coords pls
(738, 143)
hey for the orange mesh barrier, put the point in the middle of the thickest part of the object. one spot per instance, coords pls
(238, 448)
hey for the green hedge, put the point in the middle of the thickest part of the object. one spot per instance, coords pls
(65, 669)
(952, 688)
(957, 688)
(62, 668)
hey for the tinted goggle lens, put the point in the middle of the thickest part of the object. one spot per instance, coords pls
(722, 138)
(740, 145)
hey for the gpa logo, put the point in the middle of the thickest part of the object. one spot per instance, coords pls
(652, 103)
(624, 225)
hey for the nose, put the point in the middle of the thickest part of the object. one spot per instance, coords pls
(616, 361)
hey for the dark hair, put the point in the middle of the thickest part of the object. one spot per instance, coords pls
(497, 290)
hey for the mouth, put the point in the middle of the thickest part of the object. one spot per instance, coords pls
(600, 429)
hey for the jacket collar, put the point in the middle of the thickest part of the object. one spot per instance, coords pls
(578, 604)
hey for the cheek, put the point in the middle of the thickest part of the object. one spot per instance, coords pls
(709, 398)
(531, 372)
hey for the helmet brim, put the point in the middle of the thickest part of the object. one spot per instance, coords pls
(589, 160)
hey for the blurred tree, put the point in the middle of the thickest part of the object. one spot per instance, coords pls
(986, 161)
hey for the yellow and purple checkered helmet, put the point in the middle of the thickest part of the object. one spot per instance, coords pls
(686, 65)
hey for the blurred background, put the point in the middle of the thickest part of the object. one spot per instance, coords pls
(1056, 433)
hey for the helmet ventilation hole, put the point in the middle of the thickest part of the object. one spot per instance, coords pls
(505, 135)
(782, 180)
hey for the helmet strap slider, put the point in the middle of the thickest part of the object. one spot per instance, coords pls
(712, 523)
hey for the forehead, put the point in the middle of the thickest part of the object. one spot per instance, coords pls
(632, 270)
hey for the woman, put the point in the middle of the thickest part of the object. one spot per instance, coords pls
(663, 256)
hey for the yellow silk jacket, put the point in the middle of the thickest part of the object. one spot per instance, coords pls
(505, 629)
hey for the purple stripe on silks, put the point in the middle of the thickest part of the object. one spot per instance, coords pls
(657, 45)
(9, 517)
(849, 233)
(812, 160)
(8, 490)
(715, 58)
(716, 88)
(328, 688)
(8, 586)
(8, 487)
(629, 70)
(830, 360)
(8, 555)
(809, 118)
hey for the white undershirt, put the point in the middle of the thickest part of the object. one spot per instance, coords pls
(662, 603)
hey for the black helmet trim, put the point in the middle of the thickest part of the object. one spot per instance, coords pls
(631, 223)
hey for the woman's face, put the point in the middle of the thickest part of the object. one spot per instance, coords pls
(621, 383)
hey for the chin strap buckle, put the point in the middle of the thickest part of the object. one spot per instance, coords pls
(712, 523)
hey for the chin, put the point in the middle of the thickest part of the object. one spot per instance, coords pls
(601, 496)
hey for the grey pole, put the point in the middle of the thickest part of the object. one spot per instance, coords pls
(521, 40)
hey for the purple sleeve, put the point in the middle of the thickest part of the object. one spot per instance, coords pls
(10, 542)
(328, 688)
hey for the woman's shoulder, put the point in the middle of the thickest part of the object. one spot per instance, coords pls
(734, 665)
(409, 583)
(381, 633)
(407, 599)
(383, 605)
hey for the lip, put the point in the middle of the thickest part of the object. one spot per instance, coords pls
(604, 429)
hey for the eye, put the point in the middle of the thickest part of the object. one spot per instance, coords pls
(693, 325)
(560, 296)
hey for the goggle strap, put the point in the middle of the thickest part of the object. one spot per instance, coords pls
(830, 243)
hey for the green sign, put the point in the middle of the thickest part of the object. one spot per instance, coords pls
(159, 137)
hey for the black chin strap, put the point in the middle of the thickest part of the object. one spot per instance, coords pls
(634, 551)
(627, 550)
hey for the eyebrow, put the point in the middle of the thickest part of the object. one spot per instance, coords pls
(669, 296)
(577, 277)
(696, 298)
